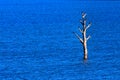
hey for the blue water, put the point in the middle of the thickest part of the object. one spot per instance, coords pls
(37, 43)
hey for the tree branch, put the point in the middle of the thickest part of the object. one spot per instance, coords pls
(88, 25)
(78, 37)
(80, 30)
(88, 37)
(83, 15)
(81, 21)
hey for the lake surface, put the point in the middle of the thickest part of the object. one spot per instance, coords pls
(37, 43)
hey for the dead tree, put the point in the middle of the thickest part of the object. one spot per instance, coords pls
(84, 38)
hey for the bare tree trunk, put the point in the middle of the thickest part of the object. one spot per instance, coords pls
(84, 39)
(85, 45)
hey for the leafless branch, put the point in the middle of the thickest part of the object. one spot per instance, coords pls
(80, 30)
(78, 37)
(81, 21)
(88, 37)
(88, 25)
(84, 15)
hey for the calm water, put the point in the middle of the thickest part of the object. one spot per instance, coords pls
(37, 43)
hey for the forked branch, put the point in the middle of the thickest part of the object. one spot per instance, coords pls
(80, 30)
